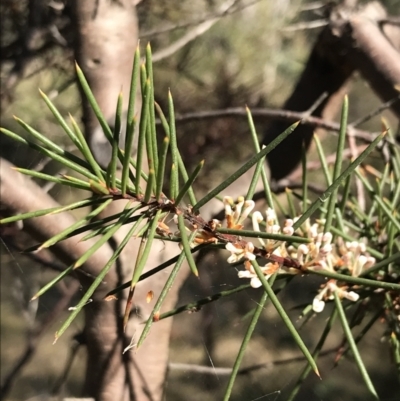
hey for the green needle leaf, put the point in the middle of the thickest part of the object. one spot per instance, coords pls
(315, 355)
(67, 159)
(186, 244)
(73, 227)
(53, 210)
(144, 116)
(75, 140)
(149, 187)
(37, 135)
(67, 180)
(86, 152)
(151, 272)
(181, 166)
(282, 313)
(353, 346)
(323, 198)
(98, 280)
(189, 182)
(338, 164)
(161, 167)
(254, 180)
(152, 117)
(94, 105)
(53, 282)
(174, 149)
(167, 286)
(267, 189)
(143, 255)
(127, 156)
(356, 280)
(124, 216)
(130, 121)
(173, 185)
(322, 159)
(246, 339)
(112, 170)
(238, 173)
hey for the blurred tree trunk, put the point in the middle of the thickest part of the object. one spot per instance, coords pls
(107, 36)
(355, 39)
(105, 42)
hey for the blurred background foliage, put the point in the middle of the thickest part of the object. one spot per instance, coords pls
(252, 56)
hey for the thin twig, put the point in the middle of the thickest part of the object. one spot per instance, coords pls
(301, 26)
(291, 181)
(35, 335)
(46, 160)
(212, 370)
(316, 104)
(375, 112)
(56, 390)
(312, 6)
(265, 113)
(191, 35)
(390, 21)
(40, 257)
(218, 14)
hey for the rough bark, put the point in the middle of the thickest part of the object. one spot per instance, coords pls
(353, 40)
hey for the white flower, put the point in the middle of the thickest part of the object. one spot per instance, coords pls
(275, 229)
(301, 251)
(327, 293)
(241, 211)
(255, 282)
(351, 295)
(237, 252)
(271, 216)
(248, 207)
(327, 238)
(288, 227)
(318, 305)
(326, 249)
(353, 256)
(256, 220)
(238, 208)
(313, 231)
(268, 270)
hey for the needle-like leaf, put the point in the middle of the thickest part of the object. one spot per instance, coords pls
(353, 346)
(238, 173)
(282, 313)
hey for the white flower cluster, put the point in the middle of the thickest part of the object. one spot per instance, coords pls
(237, 252)
(268, 270)
(354, 257)
(327, 293)
(319, 253)
(235, 214)
(271, 227)
(274, 247)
